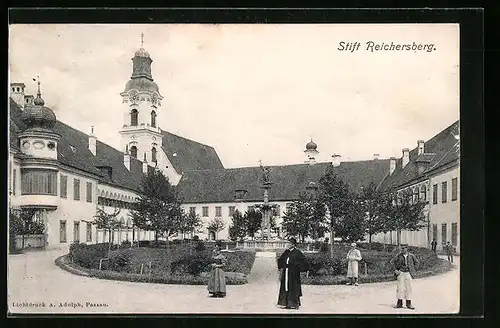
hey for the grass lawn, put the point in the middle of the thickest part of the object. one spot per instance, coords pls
(171, 263)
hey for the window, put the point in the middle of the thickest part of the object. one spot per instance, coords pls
(277, 211)
(443, 233)
(415, 194)
(153, 119)
(153, 155)
(89, 192)
(134, 117)
(423, 193)
(454, 189)
(435, 232)
(454, 233)
(218, 211)
(435, 194)
(444, 191)
(192, 210)
(14, 177)
(205, 211)
(76, 232)
(231, 210)
(64, 186)
(89, 232)
(62, 231)
(40, 182)
(133, 151)
(76, 189)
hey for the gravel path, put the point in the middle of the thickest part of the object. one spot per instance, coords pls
(33, 277)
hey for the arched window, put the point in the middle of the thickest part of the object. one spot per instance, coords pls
(153, 155)
(153, 119)
(133, 151)
(134, 117)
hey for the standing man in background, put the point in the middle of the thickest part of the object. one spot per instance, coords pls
(353, 258)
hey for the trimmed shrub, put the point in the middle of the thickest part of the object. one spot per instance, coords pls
(239, 261)
(88, 256)
(126, 244)
(200, 246)
(193, 264)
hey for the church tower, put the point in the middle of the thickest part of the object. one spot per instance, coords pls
(141, 101)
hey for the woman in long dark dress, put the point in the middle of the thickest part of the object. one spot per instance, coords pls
(291, 263)
(217, 278)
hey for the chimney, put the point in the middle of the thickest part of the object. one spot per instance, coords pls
(420, 144)
(392, 165)
(406, 156)
(126, 158)
(336, 160)
(28, 99)
(17, 93)
(92, 141)
(376, 156)
(145, 165)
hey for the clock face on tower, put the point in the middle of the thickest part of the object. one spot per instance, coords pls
(134, 96)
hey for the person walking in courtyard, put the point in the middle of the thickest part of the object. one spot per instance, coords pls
(353, 258)
(449, 251)
(217, 278)
(434, 245)
(291, 263)
(405, 264)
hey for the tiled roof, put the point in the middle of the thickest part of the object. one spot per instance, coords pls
(219, 185)
(438, 151)
(189, 154)
(72, 150)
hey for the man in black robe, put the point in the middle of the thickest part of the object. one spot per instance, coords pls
(291, 263)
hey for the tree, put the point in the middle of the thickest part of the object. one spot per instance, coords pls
(107, 222)
(337, 198)
(305, 217)
(351, 226)
(253, 221)
(373, 206)
(21, 223)
(159, 207)
(216, 225)
(404, 212)
(190, 223)
(238, 228)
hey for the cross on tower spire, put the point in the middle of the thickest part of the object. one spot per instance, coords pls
(142, 40)
(39, 94)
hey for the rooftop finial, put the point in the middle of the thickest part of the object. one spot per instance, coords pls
(38, 100)
(92, 129)
(142, 40)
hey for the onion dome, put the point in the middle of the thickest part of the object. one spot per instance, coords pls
(141, 84)
(311, 145)
(142, 53)
(38, 116)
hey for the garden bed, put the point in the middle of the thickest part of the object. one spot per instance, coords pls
(375, 266)
(180, 263)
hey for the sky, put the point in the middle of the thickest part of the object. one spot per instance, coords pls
(253, 92)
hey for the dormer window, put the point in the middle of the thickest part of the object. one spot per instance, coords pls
(239, 194)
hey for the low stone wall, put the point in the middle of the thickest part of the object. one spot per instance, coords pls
(29, 241)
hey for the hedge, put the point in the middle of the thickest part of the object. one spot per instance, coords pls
(172, 262)
(65, 263)
(324, 269)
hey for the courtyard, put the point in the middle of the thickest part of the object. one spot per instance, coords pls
(34, 278)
